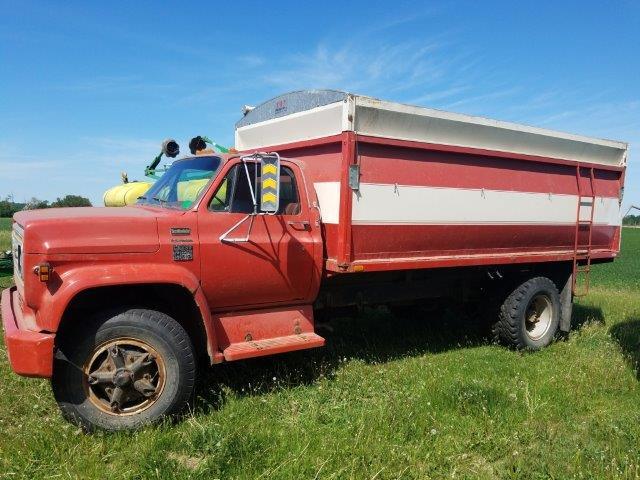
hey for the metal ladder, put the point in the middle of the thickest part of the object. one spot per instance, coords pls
(582, 252)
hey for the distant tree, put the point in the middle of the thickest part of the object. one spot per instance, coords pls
(71, 201)
(8, 207)
(633, 220)
(35, 204)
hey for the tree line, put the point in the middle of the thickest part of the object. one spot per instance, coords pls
(631, 220)
(8, 207)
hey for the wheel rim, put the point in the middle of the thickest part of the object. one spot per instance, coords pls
(124, 376)
(538, 316)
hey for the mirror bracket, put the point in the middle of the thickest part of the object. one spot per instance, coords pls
(224, 237)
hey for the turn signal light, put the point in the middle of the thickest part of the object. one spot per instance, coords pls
(43, 271)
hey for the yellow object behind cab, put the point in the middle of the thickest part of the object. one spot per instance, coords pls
(125, 194)
(189, 190)
(128, 193)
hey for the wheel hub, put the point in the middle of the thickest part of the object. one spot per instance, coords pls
(124, 376)
(539, 316)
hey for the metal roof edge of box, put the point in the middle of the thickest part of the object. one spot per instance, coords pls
(311, 114)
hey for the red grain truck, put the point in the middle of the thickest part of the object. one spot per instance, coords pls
(335, 200)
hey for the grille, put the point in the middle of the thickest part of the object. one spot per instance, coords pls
(18, 254)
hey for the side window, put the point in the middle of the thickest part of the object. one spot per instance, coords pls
(234, 195)
(289, 198)
(221, 200)
(242, 201)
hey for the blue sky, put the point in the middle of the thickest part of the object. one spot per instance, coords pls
(89, 89)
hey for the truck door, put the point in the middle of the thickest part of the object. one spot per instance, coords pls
(265, 259)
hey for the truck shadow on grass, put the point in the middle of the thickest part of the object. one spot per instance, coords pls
(374, 336)
(627, 334)
(583, 314)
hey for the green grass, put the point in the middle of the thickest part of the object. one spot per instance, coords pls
(388, 397)
(5, 244)
(625, 272)
(5, 234)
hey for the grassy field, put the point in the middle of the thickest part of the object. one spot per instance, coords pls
(5, 234)
(420, 397)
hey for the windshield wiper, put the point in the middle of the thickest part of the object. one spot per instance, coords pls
(159, 200)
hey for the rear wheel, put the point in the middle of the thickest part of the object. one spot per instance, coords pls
(124, 370)
(530, 315)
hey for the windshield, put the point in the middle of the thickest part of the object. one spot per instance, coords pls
(182, 183)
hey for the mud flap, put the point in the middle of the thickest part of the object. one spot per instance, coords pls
(566, 304)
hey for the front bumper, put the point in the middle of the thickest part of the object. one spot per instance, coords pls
(30, 353)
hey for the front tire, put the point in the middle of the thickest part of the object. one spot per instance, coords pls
(124, 370)
(530, 315)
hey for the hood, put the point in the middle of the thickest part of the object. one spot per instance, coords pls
(91, 230)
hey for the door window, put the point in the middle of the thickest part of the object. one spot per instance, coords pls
(234, 195)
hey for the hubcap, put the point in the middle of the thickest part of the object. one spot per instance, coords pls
(124, 376)
(538, 316)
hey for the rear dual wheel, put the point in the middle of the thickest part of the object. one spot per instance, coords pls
(530, 315)
(124, 370)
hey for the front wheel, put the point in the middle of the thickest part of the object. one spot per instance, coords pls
(124, 370)
(529, 317)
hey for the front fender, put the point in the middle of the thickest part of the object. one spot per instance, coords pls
(77, 279)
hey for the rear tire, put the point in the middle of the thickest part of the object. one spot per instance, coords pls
(530, 315)
(124, 370)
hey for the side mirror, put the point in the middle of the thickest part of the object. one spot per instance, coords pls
(270, 180)
(270, 186)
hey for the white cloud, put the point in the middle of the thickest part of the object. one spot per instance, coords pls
(93, 166)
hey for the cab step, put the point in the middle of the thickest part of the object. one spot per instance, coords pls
(270, 346)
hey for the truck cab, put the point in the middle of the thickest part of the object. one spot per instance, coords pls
(199, 245)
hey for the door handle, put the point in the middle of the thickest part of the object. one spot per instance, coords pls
(299, 224)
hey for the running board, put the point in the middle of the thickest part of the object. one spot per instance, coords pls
(267, 331)
(271, 346)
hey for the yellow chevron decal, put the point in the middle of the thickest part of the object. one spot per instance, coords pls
(269, 183)
(269, 168)
(269, 197)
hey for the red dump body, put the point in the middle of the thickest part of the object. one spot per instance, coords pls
(421, 205)
(434, 189)
(382, 189)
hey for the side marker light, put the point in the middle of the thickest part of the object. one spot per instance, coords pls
(43, 271)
